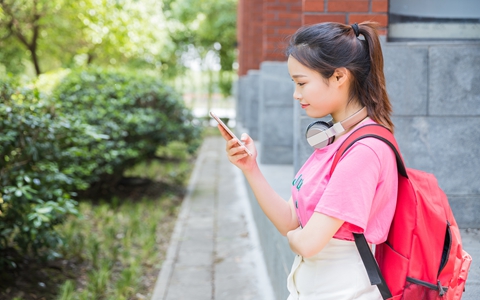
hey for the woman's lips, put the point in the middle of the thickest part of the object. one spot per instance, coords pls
(304, 105)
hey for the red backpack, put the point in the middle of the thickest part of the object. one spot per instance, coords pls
(423, 256)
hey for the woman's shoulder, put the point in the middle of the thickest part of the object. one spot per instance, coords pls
(379, 147)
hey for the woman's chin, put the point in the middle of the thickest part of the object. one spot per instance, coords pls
(315, 115)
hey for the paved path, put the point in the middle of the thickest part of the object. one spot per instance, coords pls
(214, 251)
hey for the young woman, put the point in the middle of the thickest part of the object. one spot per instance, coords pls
(337, 70)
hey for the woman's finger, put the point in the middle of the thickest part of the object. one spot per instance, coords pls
(224, 133)
(237, 157)
(233, 143)
(235, 150)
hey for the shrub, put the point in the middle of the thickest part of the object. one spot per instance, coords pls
(134, 114)
(94, 126)
(34, 193)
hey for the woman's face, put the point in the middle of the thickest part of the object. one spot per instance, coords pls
(317, 95)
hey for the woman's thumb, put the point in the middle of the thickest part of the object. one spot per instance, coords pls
(246, 139)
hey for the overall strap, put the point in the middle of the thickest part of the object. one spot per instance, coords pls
(382, 133)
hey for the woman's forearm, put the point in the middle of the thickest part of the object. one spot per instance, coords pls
(280, 212)
(315, 235)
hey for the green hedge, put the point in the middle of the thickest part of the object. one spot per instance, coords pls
(35, 193)
(93, 126)
(134, 114)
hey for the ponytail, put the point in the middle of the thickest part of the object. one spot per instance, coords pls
(324, 47)
(377, 101)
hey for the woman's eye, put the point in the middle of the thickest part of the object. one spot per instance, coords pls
(300, 83)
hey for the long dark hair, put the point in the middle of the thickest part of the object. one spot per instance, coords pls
(325, 47)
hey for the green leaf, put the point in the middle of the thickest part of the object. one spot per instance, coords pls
(44, 210)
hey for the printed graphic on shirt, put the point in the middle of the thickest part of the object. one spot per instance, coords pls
(298, 182)
(298, 214)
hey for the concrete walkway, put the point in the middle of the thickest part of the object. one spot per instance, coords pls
(214, 251)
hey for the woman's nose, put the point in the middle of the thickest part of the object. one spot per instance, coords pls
(297, 95)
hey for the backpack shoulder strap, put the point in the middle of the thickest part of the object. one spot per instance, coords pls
(382, 133)
(376, 131)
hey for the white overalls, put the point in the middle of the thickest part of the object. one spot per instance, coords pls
(335, 273)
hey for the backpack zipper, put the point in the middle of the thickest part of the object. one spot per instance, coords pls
(446, 254)
(437, 287)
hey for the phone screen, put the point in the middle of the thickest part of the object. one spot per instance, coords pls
(229, 132)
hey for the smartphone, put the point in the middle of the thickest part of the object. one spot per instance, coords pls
(229, 132)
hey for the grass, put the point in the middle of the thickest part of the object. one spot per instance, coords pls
(116, 244)
(121, 241)
(115, 249)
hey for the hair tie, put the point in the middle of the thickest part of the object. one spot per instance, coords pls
(355, 29)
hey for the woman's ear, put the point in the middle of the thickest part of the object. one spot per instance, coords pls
(340, 76)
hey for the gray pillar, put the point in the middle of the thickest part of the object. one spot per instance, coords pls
(252, 99)
(276, 113)
(240, 97)
(235, 97)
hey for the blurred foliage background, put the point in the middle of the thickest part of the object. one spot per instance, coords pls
(91, 91)
(38, 36)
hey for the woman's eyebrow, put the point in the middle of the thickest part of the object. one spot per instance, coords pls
(298, 75)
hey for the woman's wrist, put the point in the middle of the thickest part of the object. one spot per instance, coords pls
(251, 170)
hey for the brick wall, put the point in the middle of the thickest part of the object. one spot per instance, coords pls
(346, 11)
(264, 26)
(262, 29)
(249, 35)
(281, 18)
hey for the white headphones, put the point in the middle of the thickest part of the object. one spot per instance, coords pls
(320, 134)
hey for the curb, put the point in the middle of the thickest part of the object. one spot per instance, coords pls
(159, 293)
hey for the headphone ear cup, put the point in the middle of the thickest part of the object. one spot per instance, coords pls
(317, 127)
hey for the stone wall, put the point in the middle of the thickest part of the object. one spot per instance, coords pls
(276, 114)
(267, 110)
(252, 103)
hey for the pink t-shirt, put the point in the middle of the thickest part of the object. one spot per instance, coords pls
(362, 190)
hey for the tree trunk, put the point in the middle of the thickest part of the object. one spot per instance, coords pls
(90, 57)
(36, 64)
(16, 30)
(34, 42)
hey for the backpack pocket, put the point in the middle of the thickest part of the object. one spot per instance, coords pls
(393, 266)
(454, 272)
(457, 288)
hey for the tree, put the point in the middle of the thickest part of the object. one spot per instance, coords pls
(21, 19)
(65, 33)
(145, 34)
(210, 27)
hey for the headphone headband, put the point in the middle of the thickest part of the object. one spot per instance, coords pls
(355, 118)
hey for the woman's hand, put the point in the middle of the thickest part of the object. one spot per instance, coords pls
(237, 154)
(315, 235)
(292, 236)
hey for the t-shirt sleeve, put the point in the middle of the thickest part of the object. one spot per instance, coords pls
(351, 189)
